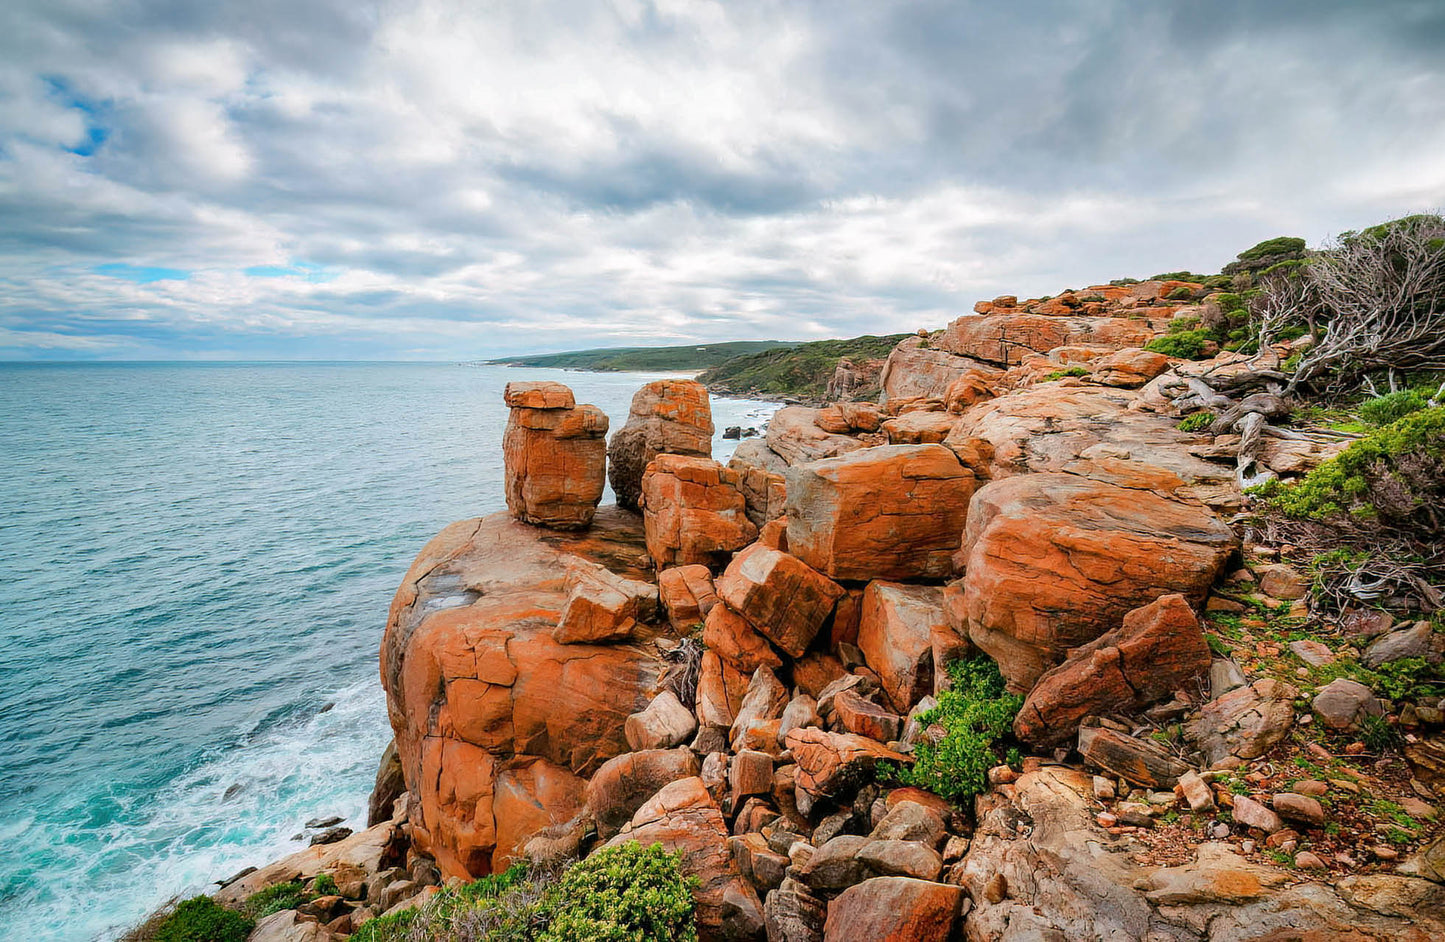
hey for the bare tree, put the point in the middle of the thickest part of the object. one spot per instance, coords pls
(1383, 291)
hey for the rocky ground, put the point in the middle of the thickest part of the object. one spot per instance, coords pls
(739, 670)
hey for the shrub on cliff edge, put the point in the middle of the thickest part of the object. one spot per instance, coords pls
(627, 893)
(198, 919)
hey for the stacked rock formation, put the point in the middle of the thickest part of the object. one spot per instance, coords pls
(555, 456)
(668, 417)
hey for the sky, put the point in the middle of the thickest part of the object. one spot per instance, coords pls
(340, 179)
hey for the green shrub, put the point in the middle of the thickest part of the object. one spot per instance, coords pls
(393, 927)
(627, 893)
(275, 898)
(1281, 245)
(202, 919)
(1392, 407)
(975, 713)
(325, 885)
(1065, 373)
(1124, 282)
(1180, 294)
(1185, 345)
(1368, 478)
(1197, 421)
(1227, 301)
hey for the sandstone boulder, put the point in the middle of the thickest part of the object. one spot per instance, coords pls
(622, 784)
(1158, 650)
(1130, 368)
(919, 428)
(894, 909)
(665, 723)
(1006, 338)
(1244, 723)
(668, 417)
(737, 642)
(779, 595)
(478, 687)
(761, 481)
(830, 762)
(891, 512)
(688, 595)
(794, 436)
(693, 512)
(1056, 560)
(603, 606)
(1344, 703)
(897, 630)
(554, 456)
(916, 368)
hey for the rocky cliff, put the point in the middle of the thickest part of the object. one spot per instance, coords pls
(746, 669)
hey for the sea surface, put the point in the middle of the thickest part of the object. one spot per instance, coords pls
(195, 567)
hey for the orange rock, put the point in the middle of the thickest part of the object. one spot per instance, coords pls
(693, 512)
(892, 512)
(1056, 560)
(917, 367)
(760, 478)
(844, 418)
(894, 909)
(554, 454)
(896, 634)
(774, 535)
(918, 428)
(971, 386)
(603, 606)
(1130, 367)
(829, 762)
(529, 797)
(779, 595)
(688, 595)
(622, 785)
(1159, 649)
(668, 417)
(866, 718)
(816, 670)
(735, 641)
(844, 627)
(794, 436)
(478, 687)
(1006, 338)
(720, 690)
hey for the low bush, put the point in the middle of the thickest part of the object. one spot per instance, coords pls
(198, 919)
(1180, 293)
(1067, 372)
(975, 713)
(1197, 421)
(627, 893)
(1184, 345)
(275, 898)
(1382, 410)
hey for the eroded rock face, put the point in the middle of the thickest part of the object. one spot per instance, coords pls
(693, 511)
(555, 454)
(1007, 338)
(1040, 868)
(894, 909)
(916, 368)
(479, 690)
(1056, 560)
(795, 436)
(668, 417)
(891, 512)
(1159, 649)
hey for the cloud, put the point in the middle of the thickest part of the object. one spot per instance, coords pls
(378, 179)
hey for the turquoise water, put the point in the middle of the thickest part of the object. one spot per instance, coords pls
(195, 567)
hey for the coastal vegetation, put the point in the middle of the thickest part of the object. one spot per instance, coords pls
(800, 372)
(684, 358)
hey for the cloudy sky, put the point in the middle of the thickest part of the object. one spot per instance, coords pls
(451, 180)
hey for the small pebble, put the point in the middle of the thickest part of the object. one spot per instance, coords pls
(1248, 847)
(1382, 852)
(1355, 749)
(1308, 861)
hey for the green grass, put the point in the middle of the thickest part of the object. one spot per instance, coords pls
(799, 372)
(622, 359)
(198, 919)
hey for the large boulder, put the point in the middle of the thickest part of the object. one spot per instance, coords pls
(623, 783)
(1007, 338)
(916, 368)
(1090, 431)
(779, 595)
(603, 606)
(668, 417)
(1244, 723)
(761, 480)
(685, 819)
(794, 436)
(1056, 560)
(693, 512)
(890, 512)
(478, 688)
(895, 909)
(896, 634)
(688, 595)
(829, 763)
(554, 455)
(1159, 649)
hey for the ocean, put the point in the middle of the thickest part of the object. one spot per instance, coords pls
(195, 566)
